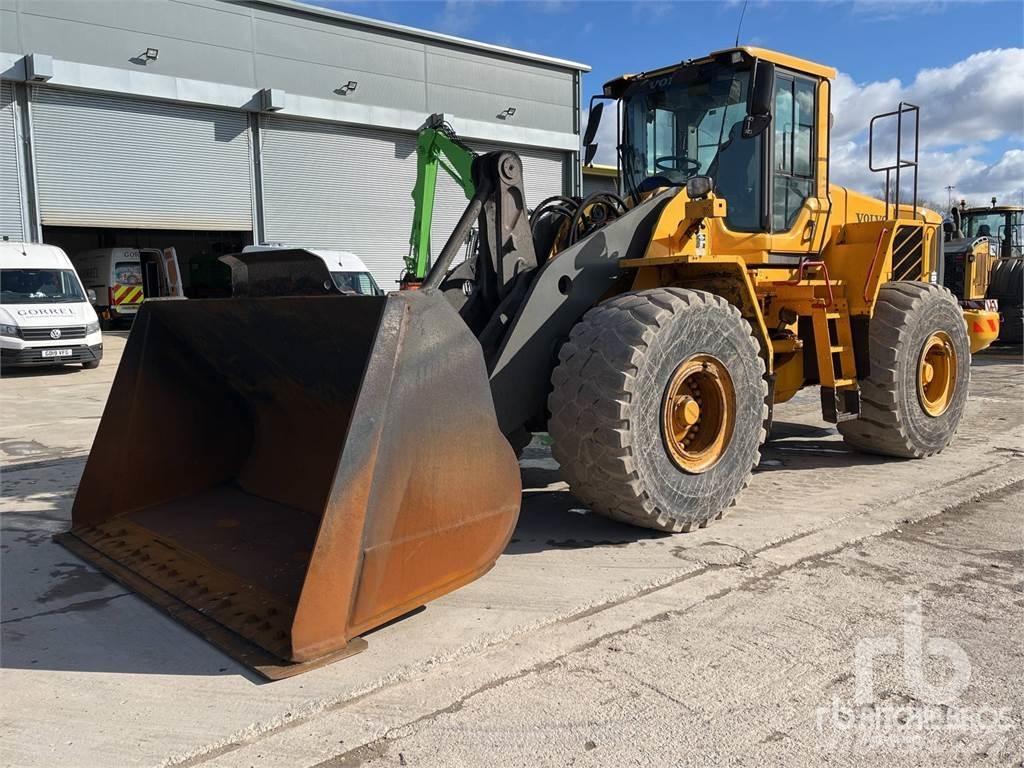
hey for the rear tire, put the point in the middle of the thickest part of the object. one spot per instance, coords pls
(619, 378)
(1006, 285)
(902, 415)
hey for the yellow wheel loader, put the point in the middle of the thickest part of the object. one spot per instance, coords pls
(983, 268)
(306, 466)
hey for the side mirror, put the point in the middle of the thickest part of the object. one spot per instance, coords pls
(759, 101)
(91, 294)
(590, 133)
(593, 121)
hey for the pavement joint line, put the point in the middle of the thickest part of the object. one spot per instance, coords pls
(94, 602)
(889, 515)
(377, 746)
(25, 466)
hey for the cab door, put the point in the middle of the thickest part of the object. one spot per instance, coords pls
(798, 206)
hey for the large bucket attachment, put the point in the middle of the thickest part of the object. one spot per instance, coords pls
(284, 474)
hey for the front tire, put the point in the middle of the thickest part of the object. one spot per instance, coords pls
(920, 367)
(639, 377)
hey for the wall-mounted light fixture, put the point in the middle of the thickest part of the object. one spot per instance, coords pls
(270, 100)
(38, 67)
(151, 54)
(347, 88)
(506, 113)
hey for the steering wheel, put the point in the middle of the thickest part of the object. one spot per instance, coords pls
(689, 165)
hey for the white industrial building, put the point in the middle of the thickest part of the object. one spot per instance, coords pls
(210, 124)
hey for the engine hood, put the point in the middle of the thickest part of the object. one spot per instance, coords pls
(47, 315)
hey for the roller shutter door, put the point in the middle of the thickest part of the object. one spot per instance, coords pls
(110, 161)
(12, 210)
(347, 187)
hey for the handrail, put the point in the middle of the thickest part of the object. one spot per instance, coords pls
(871, 267)
(904, 108)
(815, 264)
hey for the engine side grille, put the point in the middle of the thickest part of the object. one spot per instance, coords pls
(907, 253)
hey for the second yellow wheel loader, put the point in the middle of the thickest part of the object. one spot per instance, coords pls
(307, 465)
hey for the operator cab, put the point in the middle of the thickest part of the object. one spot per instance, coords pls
(1003, 223)
(754, 122)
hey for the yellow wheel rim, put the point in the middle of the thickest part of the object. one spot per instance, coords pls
(936, 374)
(698, 413)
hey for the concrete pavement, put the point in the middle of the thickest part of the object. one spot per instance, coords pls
(100, 678)
(766, 673)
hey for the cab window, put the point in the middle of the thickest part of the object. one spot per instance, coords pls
(691, 123)
(793, 149)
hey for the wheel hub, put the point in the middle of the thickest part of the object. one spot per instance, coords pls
(698, 413)
(936, 374)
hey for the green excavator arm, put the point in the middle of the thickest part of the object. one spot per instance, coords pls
(437, 146)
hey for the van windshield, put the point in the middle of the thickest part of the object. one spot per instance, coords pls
(39, 286)
(356, 282)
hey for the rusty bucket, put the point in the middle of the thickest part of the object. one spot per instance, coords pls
(285, 474)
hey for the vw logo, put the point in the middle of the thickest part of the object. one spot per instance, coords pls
(55, 333)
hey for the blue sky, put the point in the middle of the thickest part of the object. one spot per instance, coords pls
(880, 49)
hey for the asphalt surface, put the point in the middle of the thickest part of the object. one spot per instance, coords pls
(749, 626)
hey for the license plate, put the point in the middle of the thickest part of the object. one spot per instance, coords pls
(58, 352)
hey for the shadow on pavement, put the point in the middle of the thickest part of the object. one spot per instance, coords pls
(552, 518)
(41, 370)
(58, 613)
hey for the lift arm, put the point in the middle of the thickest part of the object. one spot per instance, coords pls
(437, 145)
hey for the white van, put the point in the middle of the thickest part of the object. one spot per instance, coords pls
(123, 277)
(347, 270)
(45, 314)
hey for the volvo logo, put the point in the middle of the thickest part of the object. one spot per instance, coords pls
(55, 333)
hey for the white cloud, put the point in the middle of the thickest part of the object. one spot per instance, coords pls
(978, 99)
(457, 17)
(964, 108)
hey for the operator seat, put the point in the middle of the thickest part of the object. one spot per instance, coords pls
(984, 231)
(736, 174)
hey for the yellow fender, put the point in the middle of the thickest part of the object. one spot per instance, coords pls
(982, 328)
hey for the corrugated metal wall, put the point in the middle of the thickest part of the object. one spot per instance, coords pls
(12, 223)
(252, 44)
(350, 188)
(108, 161)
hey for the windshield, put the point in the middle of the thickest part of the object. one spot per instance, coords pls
(992, 225)
(356, 282)
(688, 124)
(39, 286)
